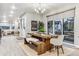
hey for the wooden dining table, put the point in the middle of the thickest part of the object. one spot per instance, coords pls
(44, 40)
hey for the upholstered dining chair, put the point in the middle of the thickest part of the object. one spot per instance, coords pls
(58, 42)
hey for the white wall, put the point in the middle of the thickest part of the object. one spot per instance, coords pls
(29, 17)
(76, 26)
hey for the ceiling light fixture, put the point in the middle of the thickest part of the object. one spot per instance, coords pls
(43, 10)
(40, 8)
(18, 18)
(11, 12)
(36, 11)
(13, 7)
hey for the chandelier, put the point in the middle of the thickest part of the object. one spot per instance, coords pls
(40, 8)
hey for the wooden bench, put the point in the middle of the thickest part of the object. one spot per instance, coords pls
(40, 46)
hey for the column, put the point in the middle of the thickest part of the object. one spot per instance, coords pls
(76, 27)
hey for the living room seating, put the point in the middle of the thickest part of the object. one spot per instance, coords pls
(58, 42)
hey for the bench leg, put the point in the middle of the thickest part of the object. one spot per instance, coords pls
(25, 42)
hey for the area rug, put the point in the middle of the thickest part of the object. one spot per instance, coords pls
(31, 52)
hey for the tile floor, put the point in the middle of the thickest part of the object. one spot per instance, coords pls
(9, 46)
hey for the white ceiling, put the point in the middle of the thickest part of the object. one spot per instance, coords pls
(5, 9)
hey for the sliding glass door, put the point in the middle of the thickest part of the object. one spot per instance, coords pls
(63, 27)
(68, 29)
(62, 23)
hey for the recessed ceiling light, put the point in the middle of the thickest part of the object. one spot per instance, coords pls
(13, 7)
(18, 18)
(10, 15)
(11, 12)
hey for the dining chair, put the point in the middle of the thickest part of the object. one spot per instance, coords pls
(58, 43)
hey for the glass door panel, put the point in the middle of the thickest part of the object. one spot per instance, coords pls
(50, 27)
(68, 29)
(58, 27)
(63, 27)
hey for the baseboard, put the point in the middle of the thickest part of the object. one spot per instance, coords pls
(76, 46)
(68, 43)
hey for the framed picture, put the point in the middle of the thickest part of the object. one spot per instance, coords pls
(34, 26)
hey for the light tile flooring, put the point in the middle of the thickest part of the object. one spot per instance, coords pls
(75, 52)
(9, 46)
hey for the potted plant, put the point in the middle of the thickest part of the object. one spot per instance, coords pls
(41, 27)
